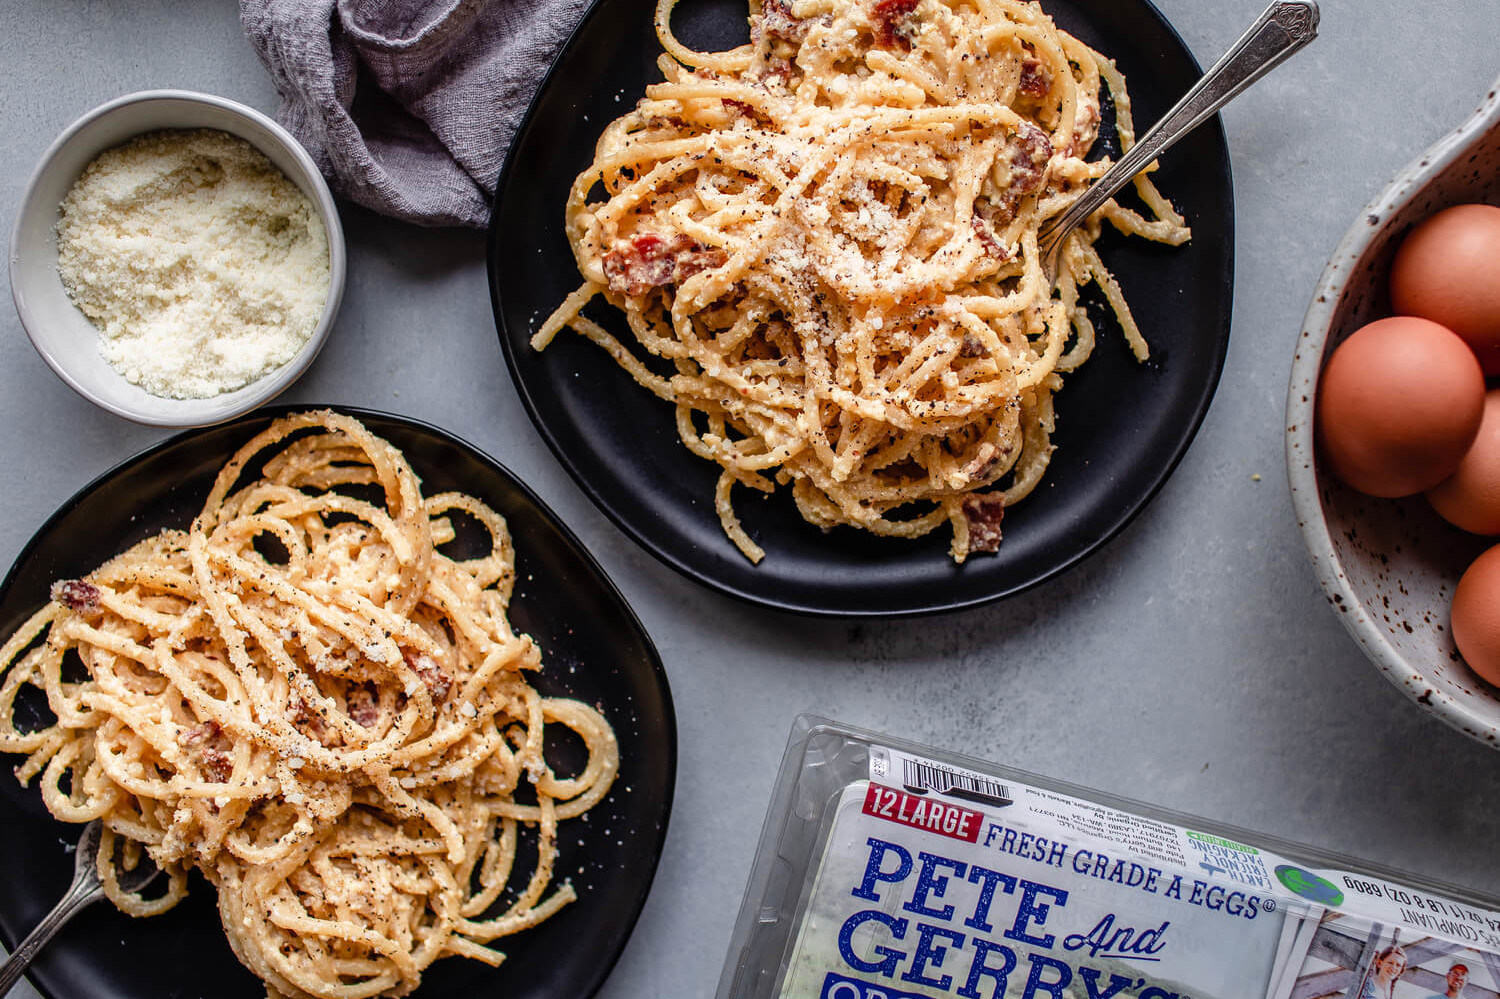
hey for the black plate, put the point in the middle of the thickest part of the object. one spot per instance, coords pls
(1122, 427)
(593, 648)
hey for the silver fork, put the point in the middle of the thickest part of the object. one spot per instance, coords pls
(1284, 28)
(86, 888)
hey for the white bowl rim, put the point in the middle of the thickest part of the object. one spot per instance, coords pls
(260, 391)
(1312, 342)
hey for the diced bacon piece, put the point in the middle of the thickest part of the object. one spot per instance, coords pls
(77, 595)
(741, 109)
(638, 264)
(1026, 155)
(216, 765)
(199, 735)
(645, 261)
(776, 19)
(210, 749)
(426, 667)
(991, 215)
(894, 25)
(1030, 151)
(981, 468)
(1085, 126)
(1035, 80)
(363, 705)
(983, 512)
(777, 72)
(992, 245)
(305, 718)
(696, 260)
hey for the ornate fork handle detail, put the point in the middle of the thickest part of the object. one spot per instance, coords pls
(1300, 20)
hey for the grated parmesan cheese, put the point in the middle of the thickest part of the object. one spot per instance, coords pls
(201, 264)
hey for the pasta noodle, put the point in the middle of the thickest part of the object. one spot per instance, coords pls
(305, 699)
(829, 237)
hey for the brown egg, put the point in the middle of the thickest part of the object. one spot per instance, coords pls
(1399, 403)
(1476, 615)
(1470, 497)
(1448, 270)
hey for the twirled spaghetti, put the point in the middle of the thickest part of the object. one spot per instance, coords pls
(831, 236)
(304, 698)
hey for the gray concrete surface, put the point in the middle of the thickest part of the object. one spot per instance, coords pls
(1193, 663)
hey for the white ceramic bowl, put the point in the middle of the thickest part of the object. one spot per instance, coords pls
(63, 335)
(1389, 566)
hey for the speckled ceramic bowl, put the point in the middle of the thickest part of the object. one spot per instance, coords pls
(1389, 566)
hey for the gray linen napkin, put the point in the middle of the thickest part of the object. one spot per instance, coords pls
(408, 106)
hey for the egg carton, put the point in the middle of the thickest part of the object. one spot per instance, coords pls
(890, 870)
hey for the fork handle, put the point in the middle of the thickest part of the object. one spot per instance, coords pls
(1284, 28)
(81, 894)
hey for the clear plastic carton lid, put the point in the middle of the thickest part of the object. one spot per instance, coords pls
(889, 870)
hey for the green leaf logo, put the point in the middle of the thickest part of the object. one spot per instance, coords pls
(1308, 885)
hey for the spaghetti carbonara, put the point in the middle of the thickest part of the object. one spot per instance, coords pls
(829, 237)
(305, 699)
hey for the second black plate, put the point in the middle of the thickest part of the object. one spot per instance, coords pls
(1122, 427)
(593, 648)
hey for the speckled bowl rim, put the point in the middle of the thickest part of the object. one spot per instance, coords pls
(248, 397)
(1368, 228)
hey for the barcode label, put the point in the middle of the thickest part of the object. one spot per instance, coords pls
(919, 776)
